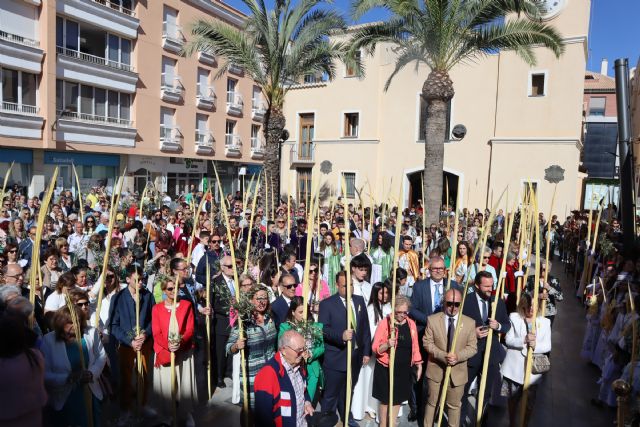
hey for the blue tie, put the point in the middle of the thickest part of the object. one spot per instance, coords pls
(436, 299)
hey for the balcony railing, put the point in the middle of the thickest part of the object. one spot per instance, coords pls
(235, 69)
(170, 138)
(206, 93)
(14, 38)
(93, 59)
(258, 110)
(172, 37)
(204, 138)
(232, 141)
(234, 103)
(115, 6)
(12, 107)
(257, 143)
(92, 118)
(303, 154)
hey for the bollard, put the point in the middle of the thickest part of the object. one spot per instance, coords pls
(622, 389)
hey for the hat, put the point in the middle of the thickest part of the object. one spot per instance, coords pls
(120, 217)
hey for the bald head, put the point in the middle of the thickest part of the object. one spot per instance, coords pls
(452, 302)
(13, 275)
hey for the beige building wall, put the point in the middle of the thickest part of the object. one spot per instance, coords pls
(41, 127)
(511, 138)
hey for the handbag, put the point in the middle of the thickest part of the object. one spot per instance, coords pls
(541, 364)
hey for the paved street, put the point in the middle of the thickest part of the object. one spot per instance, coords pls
(563, 399)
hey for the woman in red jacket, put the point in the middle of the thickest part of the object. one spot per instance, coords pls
(176, 339)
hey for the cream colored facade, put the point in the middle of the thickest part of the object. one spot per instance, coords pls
(113, 91)
(512, 136)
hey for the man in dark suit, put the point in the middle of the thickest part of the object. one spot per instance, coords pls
(477, 305)
(427, 299)
(280, 306)
(222, 293)
(333, 316)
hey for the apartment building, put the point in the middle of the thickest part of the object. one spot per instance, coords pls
(103, 85)
(600, 162)
(523, 125)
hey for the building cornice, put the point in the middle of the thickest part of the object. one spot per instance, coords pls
(536, 141)
(237, 18)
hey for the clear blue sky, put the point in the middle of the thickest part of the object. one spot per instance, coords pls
(615, 29)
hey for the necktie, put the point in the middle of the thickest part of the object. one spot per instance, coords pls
(484, 311)
(450, 333)
(232, 289)
(437, 296)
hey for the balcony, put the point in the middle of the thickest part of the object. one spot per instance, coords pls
(172, 38)
(303, 155)
(232, 145)
(20, 121)
(171, 89)
(234, 104)
(235, 69)
(204, 142)
(105, 14)
(95, 70)
(20, 52)
(206, 98)
(170, 138)
(258, 111)
(206, 58)
(73, 126)
(257, 148)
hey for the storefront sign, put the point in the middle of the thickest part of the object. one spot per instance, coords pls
(81, 159)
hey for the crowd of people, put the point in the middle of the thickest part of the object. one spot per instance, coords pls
(171, 277)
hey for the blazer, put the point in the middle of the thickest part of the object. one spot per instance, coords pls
(221, 295)
(421, 304)
(214, 267)
(472, 310)
(435, 342)
(123, 315)
(58, 368)
(279, 310)
(333, 316)
(514, 361)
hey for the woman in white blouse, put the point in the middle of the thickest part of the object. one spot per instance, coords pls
(518, 340)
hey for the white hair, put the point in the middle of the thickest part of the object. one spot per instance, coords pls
(8, 291)
(287, 338)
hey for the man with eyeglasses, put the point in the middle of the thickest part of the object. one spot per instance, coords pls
(337, 333)
(25, 248)
(427, 298)
(223, 292)
(280, 306)
(13, 275)
(281, 396)
(478, 305)
(438, 342)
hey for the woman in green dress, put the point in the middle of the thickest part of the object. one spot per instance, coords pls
(312, 332)
(382, 255)
(331, 255)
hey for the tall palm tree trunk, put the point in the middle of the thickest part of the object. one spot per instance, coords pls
(274, 123)
(437, 91)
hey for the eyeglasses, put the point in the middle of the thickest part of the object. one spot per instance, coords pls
(298, 352)
(227, 265)
(170, 289)
(452, 304)
(82, 304)
(436, 268)
(262, 299)
(402, 313)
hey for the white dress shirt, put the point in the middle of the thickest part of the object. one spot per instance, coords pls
(432, 289)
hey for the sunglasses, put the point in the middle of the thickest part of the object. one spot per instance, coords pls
(313, 270)
(82, 304)
(452, 304)
(170, 289)
(215, 241)
(289, 286)
(228, 265)
(12, 251)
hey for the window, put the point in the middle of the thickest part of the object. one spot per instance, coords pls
(351, 71)
(85, 39)
(230, 127)
(168, 71)
(95, 103)
(537, 84)
(351, 121)
(231, 90)
(529, 187)
(304, 185)
(422, 125)
(170, 22)
(255, 139)
(10, 86)
(597, 105)
(93, 42)
(256, 98)
(166, 122)
(19, 18)
(201, 123)
(203, 82)
(349, 184)
(307, 129)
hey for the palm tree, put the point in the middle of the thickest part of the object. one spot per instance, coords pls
(276, 48)
(442, 34)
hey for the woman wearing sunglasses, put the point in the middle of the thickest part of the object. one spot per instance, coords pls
(178, 339)
(405, 341)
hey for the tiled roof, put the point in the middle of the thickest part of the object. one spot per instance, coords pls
(599, 82)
